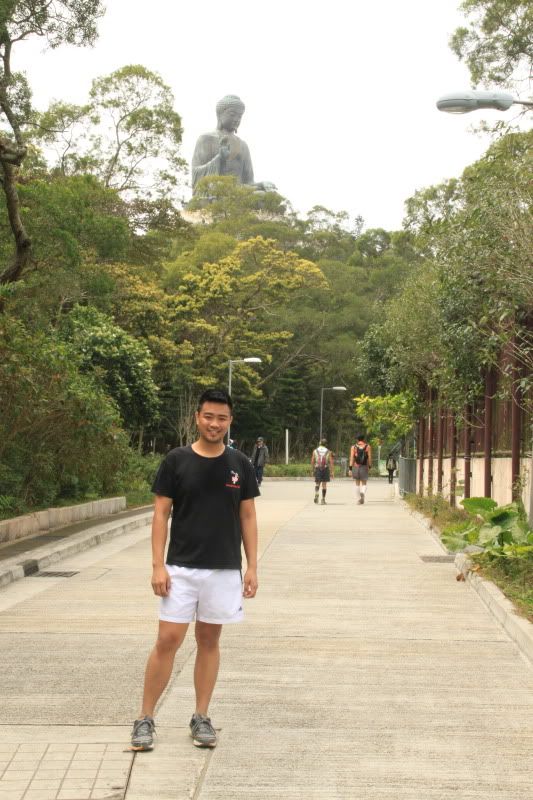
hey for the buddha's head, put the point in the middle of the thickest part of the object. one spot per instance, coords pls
(229, 113)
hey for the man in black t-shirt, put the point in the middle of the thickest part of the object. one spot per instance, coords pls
(210, 489)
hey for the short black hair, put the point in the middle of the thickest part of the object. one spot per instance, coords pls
(361, 437)
(215, 396)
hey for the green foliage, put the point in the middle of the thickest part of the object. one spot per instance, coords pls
(470, 299)
(439, 511)
(514, 576)
(137, 478)
(500, 531)
(121, 363)
(479, 505)
(389, 418)
(127, 134)
(60, 434)
(497, 46)
(61, 22)
(293, 470)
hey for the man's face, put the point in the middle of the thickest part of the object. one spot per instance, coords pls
(212, 421)
(230, 118)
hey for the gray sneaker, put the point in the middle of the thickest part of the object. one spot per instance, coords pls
(142, 736)
(202, 732)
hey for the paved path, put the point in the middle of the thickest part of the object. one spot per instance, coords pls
(362, 671)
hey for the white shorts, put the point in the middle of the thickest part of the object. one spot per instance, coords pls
(207, 595)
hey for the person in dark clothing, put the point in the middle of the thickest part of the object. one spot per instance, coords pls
(259, 458)
(391, 466)
(210, 490)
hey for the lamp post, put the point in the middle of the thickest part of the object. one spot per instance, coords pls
(327, 389)
(463, 102)
(249, 360)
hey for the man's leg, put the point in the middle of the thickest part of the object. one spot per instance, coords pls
(158, 672)
(160, 663)
(363, 492)
(207, 663)
(324, 490)
(317, 486)
(259, 475)
(205, 676)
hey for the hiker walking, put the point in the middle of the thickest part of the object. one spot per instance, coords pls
(323, 466)
(360, 463)
(391, 466)
(259, 458)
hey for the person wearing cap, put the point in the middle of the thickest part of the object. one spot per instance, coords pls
(259, 458)
(322, 465)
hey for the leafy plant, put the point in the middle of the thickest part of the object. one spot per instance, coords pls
(501, 531)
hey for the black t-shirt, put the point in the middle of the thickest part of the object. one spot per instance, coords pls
(206, 494)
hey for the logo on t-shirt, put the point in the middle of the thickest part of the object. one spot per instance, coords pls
(234, 480)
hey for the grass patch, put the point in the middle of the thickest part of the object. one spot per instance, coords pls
(288, 470)
(439, 511)
(515, 579)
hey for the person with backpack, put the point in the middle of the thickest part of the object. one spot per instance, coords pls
(360, 463)
(322, 465)
(259, 458)
(391, 466)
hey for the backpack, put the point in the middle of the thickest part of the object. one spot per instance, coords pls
(361, 455)
(321, 459)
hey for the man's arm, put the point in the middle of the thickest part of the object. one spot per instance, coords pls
(249, 539)
(331, 466)
(369, 451)
(160, 576)
(351, 456)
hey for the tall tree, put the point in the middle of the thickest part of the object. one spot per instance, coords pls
(127, 134)
(497, 45)
(60, 21)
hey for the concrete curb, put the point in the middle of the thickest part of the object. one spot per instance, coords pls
(502, 609)
(518, 628)
(35, 560)
(427, 524)
(11, 530)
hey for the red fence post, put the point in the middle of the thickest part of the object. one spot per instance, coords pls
(487, 433)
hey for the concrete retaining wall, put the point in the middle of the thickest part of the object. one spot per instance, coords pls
(52, 518)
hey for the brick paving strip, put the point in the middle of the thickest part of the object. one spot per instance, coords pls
(41, 770)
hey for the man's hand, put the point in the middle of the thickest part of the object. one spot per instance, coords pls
(250, 582)
(161, 581)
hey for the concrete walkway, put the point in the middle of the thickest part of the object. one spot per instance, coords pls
(362, 671)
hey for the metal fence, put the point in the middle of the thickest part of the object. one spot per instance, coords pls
(407, 475)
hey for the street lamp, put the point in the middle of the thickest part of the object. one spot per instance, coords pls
(249, 360)
(327, 389)
(463, 102)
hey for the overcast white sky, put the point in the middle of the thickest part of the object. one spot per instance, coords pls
(340, 95)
